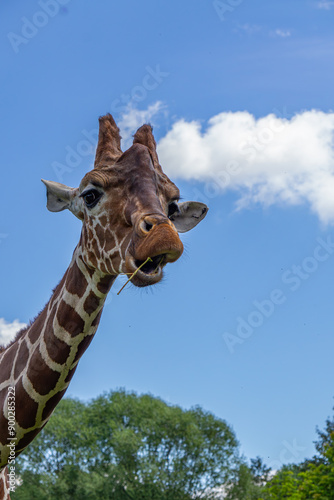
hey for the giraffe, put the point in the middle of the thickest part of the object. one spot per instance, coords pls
(130, 211)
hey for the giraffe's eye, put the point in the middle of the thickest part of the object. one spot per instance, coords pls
(91, 197)
(173, 208)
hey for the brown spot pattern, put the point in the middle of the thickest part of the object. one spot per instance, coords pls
(7, 362)
(35, 332)
(40, 375)
(69, 319)
(90, 270)
(70, 375)
(26, 411)
(104, 268)
(96, 321)
(22, 359)
(99, 232)
(26, 439)
(105, 283)
(52, 403)
(57, 349)
(3, 420)
(92, 302)
(109, 242)
(103, 220)
(76, 283)
(82, 347)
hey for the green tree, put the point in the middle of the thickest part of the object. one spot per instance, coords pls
(244, 486)
(284, 485)
(260, 471)
(248, 481)
(123, 446)
(312, 479)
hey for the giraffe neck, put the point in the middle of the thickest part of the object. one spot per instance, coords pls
(37, 368)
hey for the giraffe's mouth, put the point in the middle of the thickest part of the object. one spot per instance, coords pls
(151, 266)
(147, 272)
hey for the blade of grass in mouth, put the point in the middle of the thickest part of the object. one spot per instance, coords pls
(135, 272)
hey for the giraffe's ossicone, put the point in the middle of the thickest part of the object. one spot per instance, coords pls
(130, 212)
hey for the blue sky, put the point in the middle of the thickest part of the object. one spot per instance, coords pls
(240, 97)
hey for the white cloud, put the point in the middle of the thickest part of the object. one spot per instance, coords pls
(250, 29)
(285, 160)
(255, 29)
(325, 4)
(133, 118)
(282, 33)
(9, 330)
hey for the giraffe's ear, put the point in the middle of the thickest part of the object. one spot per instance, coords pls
(188, 215)
(60, 197)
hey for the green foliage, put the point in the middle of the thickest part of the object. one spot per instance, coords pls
(121, 446)
(311, 480)
(246, 485)
(259, 471)
(124, 446)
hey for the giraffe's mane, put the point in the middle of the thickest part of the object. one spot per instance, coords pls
(17, 336)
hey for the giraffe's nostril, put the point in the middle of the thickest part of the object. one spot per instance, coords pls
(148, 226)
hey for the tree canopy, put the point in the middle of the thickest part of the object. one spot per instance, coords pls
(123, 446)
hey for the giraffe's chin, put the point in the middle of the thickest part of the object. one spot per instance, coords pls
(147, 274)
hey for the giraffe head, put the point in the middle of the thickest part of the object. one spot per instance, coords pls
(129, 208)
